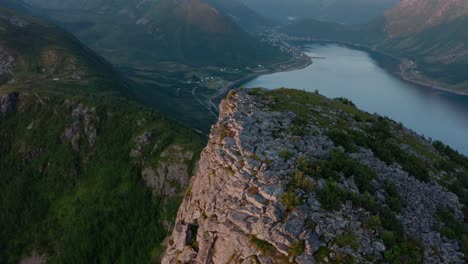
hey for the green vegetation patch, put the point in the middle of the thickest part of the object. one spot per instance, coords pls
(297, 248)
(300, 103)
(459, 183)
(340, 163)
(348, 238)
(454, 229)
(261, 245)
(341, 138)
(290, 199)
(300, 181)
(452, 154)
(393, 198)
(405, 251)
(267, 249)
(90, 204)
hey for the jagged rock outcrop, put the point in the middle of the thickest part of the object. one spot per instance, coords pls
(84, 122)
(171, 173)
(8, 103)
(7, 63)
(252, 201)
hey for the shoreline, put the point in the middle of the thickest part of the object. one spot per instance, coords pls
(400, 74)
(216, 99)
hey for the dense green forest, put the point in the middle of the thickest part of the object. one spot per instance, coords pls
(78, 156)
(88, 205)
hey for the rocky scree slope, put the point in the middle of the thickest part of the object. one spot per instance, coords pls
(290, 176)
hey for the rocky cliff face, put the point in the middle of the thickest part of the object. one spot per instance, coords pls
(278, 186)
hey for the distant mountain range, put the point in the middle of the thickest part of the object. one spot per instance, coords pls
(414, 16)
(339, 11)
(192, 32)
(430, 37)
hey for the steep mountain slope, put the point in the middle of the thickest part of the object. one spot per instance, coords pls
(433, 34)
(86, 175)
(413, 16)
(37, 53)
(186, 31)
(240, 13)
(428, 36)
(290, 176)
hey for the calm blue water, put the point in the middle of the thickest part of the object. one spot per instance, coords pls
(354, 74)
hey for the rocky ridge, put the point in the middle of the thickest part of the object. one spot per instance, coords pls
(253, 201)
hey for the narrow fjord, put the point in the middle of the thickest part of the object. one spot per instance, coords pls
(340, 71)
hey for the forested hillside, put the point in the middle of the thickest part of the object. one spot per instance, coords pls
(87, 175)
